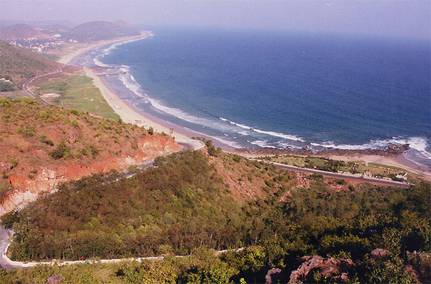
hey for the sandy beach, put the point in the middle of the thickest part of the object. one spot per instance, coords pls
(80, 49)
(130, 115)
(127, 113)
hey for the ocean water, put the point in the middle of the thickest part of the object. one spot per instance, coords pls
(278, 90)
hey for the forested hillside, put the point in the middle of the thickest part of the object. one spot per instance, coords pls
(19, 64)
(364, 234)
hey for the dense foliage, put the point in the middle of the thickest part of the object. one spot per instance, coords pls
(202, 267)
(178, 205)
(182, 204)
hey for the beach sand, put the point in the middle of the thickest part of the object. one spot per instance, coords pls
(130, 115)
(79, 49)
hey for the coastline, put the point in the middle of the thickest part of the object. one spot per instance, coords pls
(130, 115)
(127, 113)
(182, 135)
(67, 57)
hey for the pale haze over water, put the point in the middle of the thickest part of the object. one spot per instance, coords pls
(409, 19)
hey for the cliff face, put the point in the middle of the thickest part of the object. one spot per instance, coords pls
(42, 147)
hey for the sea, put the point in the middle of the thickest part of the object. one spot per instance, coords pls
(268, 89)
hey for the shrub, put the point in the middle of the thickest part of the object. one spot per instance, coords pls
(212, 150)
(13, 163)
(236, 158)
(75, 123)
(27, 131)
(60, 152)
(43, 139)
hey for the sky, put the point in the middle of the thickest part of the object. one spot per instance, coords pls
(391, 18)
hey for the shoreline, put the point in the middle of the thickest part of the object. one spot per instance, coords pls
(67, 57)
(128, 113)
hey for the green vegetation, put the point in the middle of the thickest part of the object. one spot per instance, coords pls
(78, 92)
(27, 131)
(325, 164)
(19, 64)
(202, 267)
(61, 151)
(166, 205)
(183, 203)
(6, 86)
(212, 150)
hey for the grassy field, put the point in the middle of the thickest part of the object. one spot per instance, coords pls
(357, 167)
(78, 92)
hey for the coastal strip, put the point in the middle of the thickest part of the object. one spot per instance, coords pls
(130, 115)
(127, 113)
(68, 57)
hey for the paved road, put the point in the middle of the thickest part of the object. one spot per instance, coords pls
(372, 180)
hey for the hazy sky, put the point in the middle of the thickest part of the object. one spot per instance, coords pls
(395, 18)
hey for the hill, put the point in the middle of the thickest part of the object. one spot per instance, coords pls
(169, 209)
(19, 64)
(101, 30)
(18, 31)
(44, 146)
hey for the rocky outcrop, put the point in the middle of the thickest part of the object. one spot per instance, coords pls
(330, 268)
(379, 253)
(269, 275)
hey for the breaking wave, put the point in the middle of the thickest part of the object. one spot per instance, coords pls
(270, 133)
(420, 144)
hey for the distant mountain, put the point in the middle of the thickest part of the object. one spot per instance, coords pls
(100, 30)
(19, 64)
(18, 31)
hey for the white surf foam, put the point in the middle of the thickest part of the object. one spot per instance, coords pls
(230, 143)
(265, 132)
(262, 144)
(419, 144)
(99, 63)
(130, 83)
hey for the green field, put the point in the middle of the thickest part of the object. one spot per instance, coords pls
(78, 92)
(325, 164)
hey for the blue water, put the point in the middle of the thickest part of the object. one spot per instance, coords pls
(278, 90)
